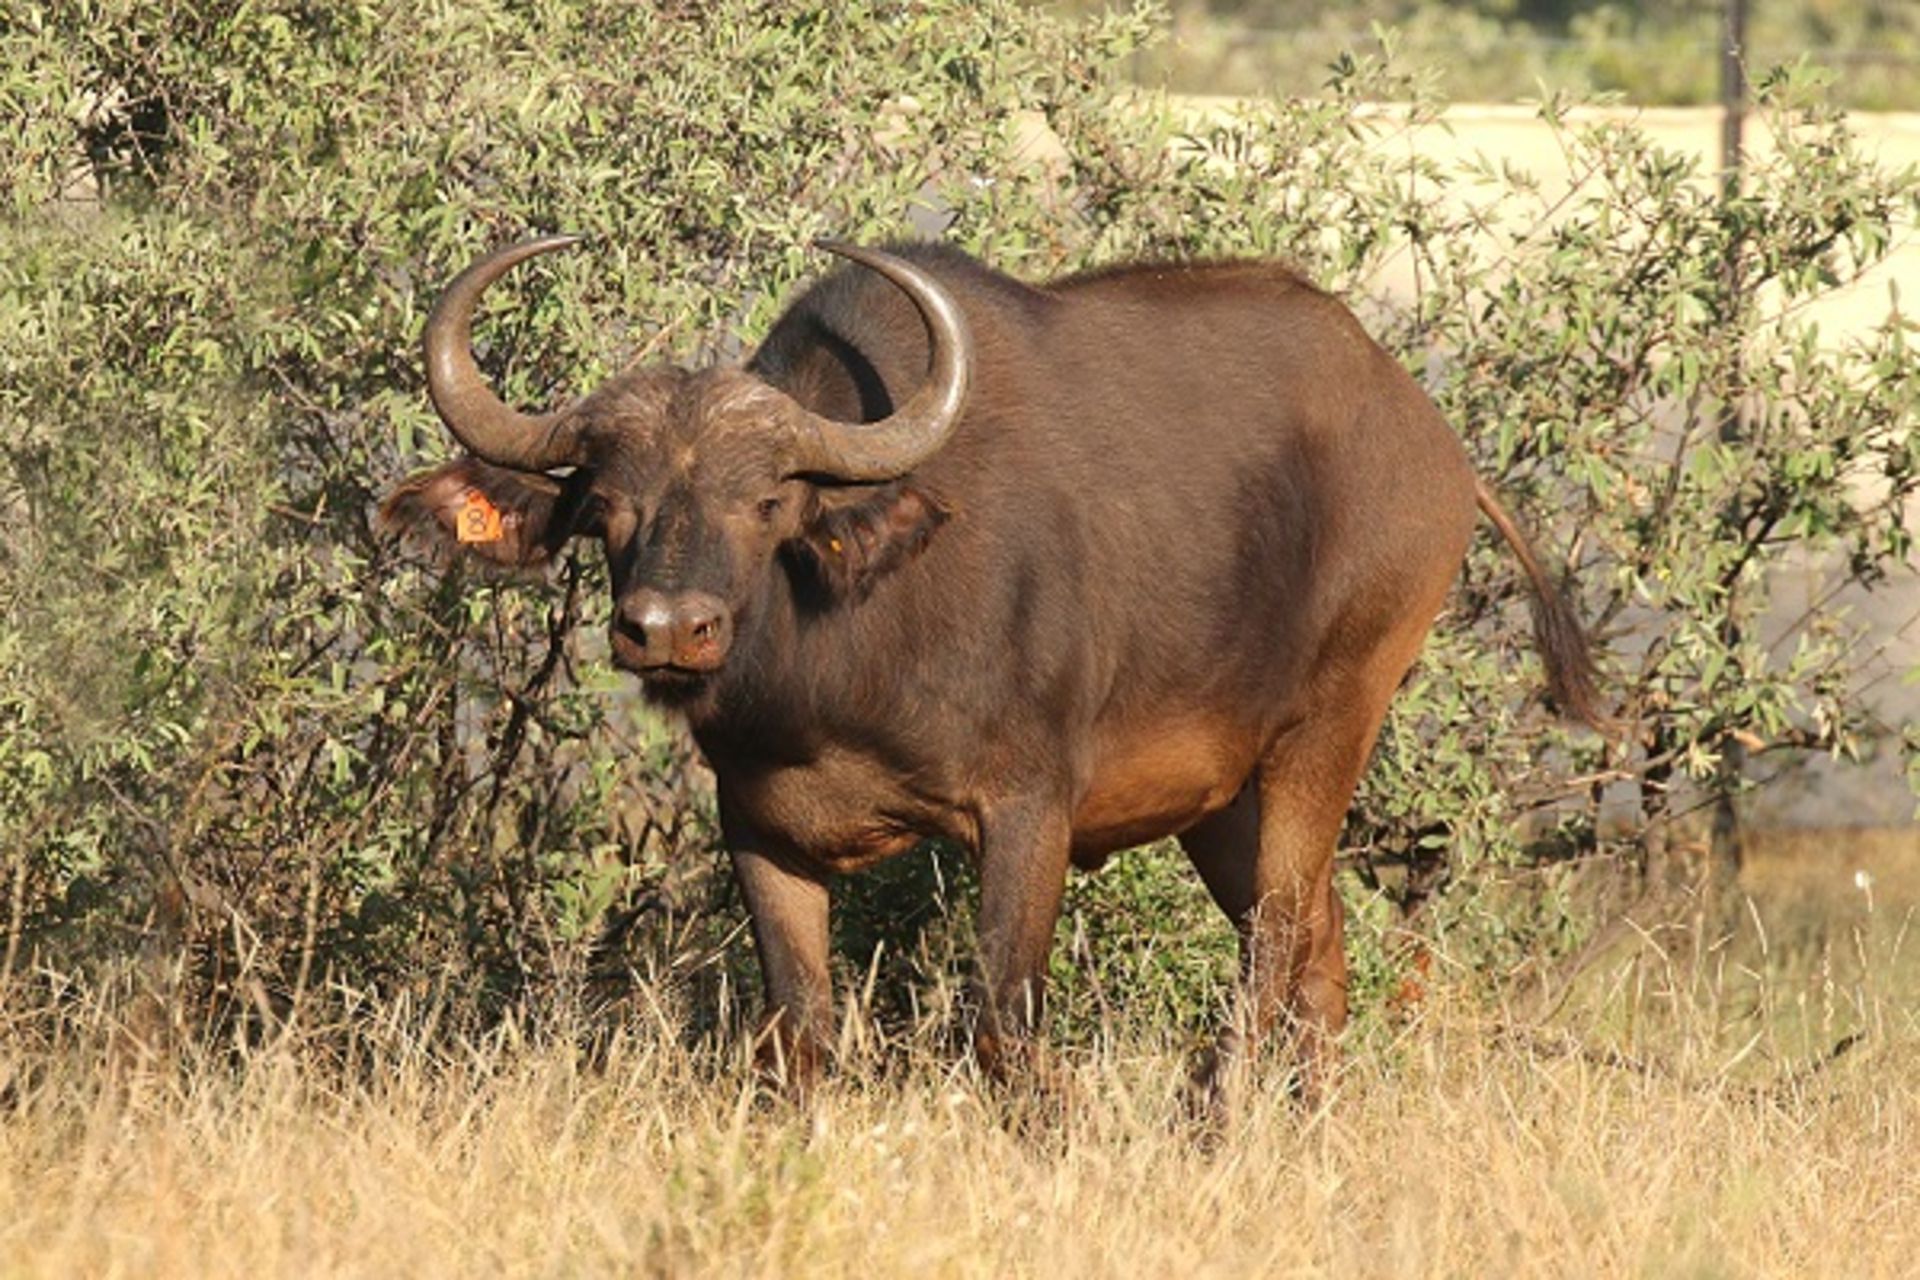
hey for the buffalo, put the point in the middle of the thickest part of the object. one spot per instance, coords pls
(1045, 570)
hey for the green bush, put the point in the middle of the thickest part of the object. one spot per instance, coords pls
(255, 760)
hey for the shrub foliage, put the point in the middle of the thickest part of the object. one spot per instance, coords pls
(253, 757)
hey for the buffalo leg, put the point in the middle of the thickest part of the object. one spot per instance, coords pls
(1267, 859)
(788, 907)
(1023, 875)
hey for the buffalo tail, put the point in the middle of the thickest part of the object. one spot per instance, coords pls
(1557, 632)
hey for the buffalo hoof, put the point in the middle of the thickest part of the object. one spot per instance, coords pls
(1221, 1084)
(787, 1063)
(1034, 1092)
(1215, 1092)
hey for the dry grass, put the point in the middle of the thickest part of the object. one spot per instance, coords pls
(1448, 1152)
(1454, 1147)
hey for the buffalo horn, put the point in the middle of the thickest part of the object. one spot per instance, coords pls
(478, 418)
(917, 429)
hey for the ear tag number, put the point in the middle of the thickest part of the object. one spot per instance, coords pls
(479, 520)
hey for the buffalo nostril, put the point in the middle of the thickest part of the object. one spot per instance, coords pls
(646, 620)
(704, 631)
(648, 613)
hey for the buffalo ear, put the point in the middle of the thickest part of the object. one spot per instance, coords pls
(845, 548)
(509, 518)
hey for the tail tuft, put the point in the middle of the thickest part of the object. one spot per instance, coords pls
(1572, 681)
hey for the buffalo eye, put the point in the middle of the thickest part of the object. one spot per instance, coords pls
(769, 507)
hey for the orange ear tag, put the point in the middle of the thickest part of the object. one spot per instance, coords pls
(479, 520)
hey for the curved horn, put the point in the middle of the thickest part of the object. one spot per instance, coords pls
(488, 428)
(917, 429)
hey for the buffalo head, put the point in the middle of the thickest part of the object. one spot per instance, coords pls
(694, 479)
